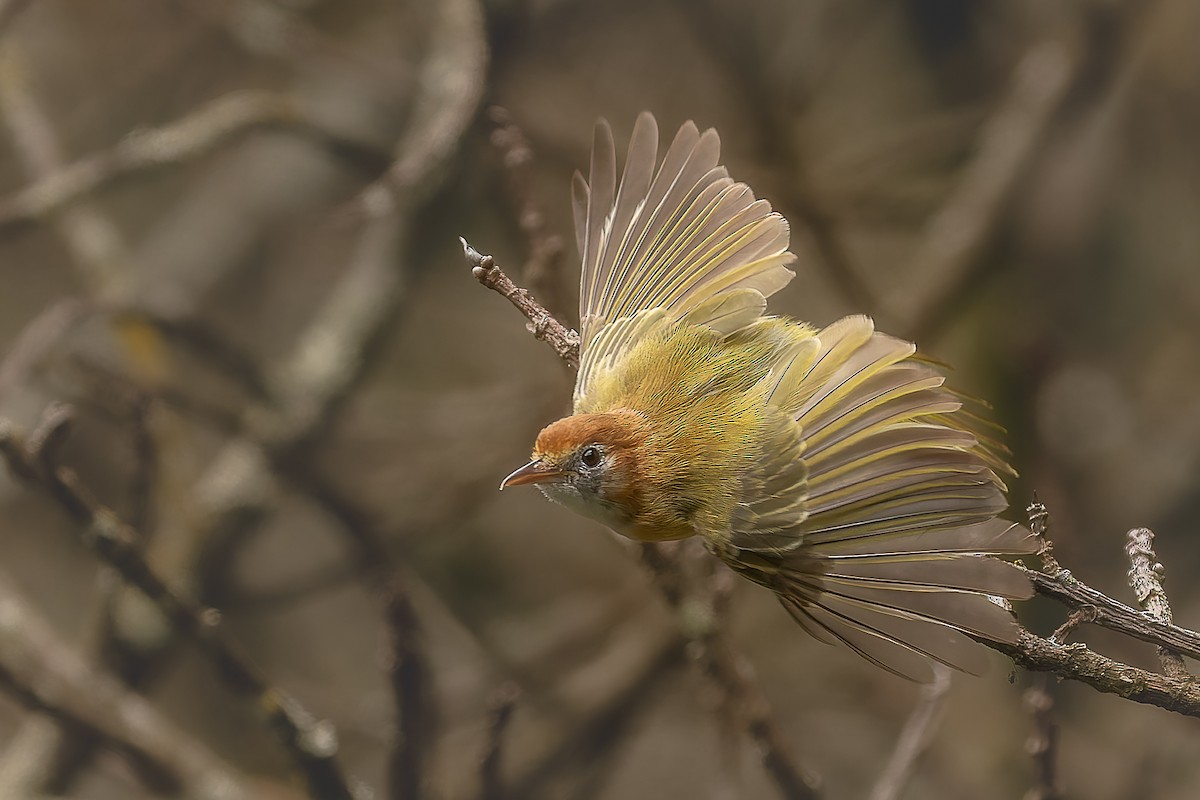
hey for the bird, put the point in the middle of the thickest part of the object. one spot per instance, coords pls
(830, 465)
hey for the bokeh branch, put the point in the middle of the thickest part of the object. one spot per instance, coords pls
(45, 674)
(196, 134)
(311, 743)
(952, 248)
(914, 739)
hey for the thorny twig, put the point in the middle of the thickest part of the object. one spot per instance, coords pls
(310, 743)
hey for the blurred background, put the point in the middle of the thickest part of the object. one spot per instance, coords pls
(228, 238)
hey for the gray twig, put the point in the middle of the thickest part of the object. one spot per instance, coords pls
(1146, 576)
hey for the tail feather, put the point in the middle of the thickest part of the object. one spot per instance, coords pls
(902, 645)
(902, 491)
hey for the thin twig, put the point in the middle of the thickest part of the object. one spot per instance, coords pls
(542, 323)
(1076, 618)
(491, 782)
(1146, 576)
(916, 736)
(1114, 615)
(1039, 525)
(310, 743)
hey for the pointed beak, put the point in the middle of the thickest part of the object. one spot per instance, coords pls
(536, 471)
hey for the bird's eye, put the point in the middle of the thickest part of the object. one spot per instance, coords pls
(590, 456)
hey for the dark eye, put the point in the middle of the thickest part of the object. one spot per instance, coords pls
(590, 456)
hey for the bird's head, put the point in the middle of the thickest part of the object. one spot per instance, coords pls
(590, 463)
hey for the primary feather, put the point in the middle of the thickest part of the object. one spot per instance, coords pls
(832, 466)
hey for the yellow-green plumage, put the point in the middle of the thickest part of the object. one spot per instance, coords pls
(830, 465)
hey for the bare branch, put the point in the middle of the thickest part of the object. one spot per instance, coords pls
(1146, 575)
(542, 323)
(1114, 615)
(1077, 662)
(452, 79)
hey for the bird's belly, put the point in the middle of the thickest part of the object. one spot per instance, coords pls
(657, 533)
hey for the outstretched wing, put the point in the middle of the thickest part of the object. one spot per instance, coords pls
(873, 535)
(680, 241)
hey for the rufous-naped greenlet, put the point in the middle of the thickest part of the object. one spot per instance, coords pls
(830, 465)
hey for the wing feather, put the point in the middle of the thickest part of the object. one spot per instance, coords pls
(883, 545)
(680, 237)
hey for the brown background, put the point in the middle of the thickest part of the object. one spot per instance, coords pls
(884, 131)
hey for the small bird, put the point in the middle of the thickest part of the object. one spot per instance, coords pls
(830, 465)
